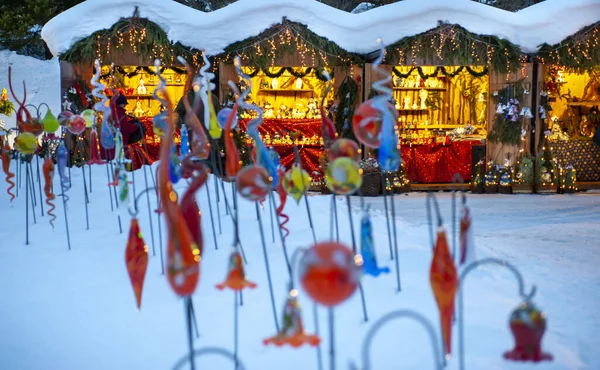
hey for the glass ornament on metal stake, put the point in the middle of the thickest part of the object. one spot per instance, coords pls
(527, 325)
(367, 251)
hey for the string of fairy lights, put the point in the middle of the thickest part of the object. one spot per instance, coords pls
(286, 36)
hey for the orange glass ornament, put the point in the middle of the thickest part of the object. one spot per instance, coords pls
(292, 330)
(236, 277)
(48, 170)
(329, 273)
(32, 125)
(367, 122)
(136, 260)
(444, 283)
(232, 158)
(253, 183)
(6, 157)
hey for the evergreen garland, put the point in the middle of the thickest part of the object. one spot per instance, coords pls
(296, 72)
(260, 50)
(505, 131)
(154, 43)
(441, 70)
(451, 44)
(579, 53)
(347, 96)
(6, 107)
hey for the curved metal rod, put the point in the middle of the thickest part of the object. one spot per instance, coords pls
(463, 275)
(37, 112)
(134, 212)
(410, 314)
(39, 106)
(430, 196)
(457, 178)
(210, 351)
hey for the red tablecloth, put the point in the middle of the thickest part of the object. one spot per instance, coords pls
(309, 154)
(438, 162)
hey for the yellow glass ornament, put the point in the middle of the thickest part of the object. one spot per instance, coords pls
(89, 116)
(343, 176)
(213, 125)
(26, 143)
(296, 182)
(50, 122)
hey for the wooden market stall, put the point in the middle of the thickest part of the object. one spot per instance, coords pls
(442, 81)
(289, 80)
(569, 105)
(127, 52)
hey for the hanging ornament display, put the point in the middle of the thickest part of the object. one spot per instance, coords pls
(26, 143)
(253, 183)
(296, 182)
(292, 328)
(48, 171)
(6, 157)
(467, 242)
(329, 273)
(343, 176)
(367, 251)
(444, 283)
(76, 125)
(236, 277)
(528, 325)
(344, 148)
(136, 260)
(232, 158)
(50, 122)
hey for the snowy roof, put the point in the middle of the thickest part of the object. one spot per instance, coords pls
(548, 22)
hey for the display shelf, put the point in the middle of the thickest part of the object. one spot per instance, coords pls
(590, 103)
(412, 110)
(419, 88)
(286, 90)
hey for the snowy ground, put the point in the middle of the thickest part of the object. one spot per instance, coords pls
(72, 310)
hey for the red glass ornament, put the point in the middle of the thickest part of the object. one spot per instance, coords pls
(329, 274)
(444, 283)
(76, 125)
(367, 123)
(528, 325)
(344, 148)
(236, 277)
(32, 125)
(136, 259)
(253, 183)
(292, 329)
(94, 149)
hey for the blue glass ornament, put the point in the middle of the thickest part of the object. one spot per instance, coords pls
(366, 248)
(174, 166)
(107, 138)
(185, 148)
(388, 155)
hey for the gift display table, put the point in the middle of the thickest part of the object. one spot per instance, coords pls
(438, 162)
(309, 149)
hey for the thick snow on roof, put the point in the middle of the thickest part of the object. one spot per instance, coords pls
(548, 22)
